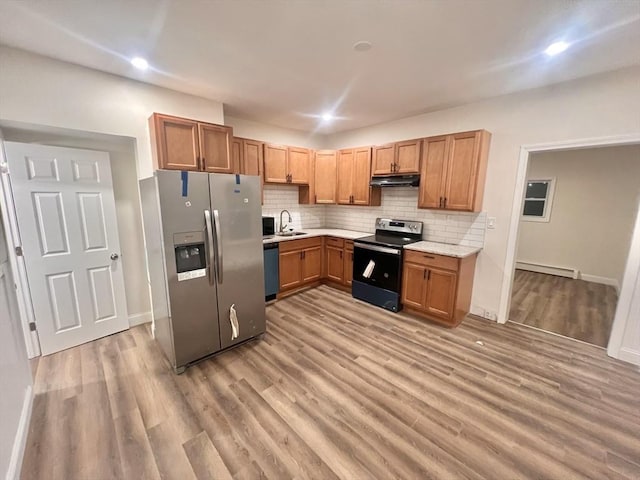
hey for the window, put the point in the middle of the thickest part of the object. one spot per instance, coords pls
(538, 199)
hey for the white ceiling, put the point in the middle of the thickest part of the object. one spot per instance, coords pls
(285, 62)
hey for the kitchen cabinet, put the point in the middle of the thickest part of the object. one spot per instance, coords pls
(437, 287)
(283, 164)
(400, 158)
(353, 176)
(453, 171)
(325, 176)
(300, 262)
(334, 257)
(247, 156)
(348, 262)
(184, 144)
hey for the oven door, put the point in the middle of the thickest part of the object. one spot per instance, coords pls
(377, 266)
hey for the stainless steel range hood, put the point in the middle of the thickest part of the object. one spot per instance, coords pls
(395, 181)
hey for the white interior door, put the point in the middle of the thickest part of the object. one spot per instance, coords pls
(67, 220)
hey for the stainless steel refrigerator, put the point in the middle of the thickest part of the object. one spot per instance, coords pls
(203, 237)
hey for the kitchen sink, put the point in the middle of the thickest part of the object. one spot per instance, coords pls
(290, 234)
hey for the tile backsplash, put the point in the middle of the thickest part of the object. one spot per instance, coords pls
(281, 197)
(397, 202)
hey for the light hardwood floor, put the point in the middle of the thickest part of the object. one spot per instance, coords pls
(339, 389)
(573, 308)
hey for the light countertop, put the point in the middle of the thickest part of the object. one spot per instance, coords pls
(447, 249)
(319, 232)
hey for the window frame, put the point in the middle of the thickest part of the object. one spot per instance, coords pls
(548, 200)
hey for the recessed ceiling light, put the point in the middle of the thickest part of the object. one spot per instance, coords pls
(362, 46)
(556, 48)
(140, 63)
(327, 117)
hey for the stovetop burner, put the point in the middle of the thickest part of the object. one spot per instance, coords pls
(388, 240)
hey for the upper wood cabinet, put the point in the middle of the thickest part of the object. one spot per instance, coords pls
(247, 156)
(325, 176)
(453, 171)
(354, 175)
(184, 144)
(400, 158)
(283, 164)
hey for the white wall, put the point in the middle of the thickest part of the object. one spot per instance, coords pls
(598, 106)
(125, 190)
(593, 211)
(15, 375)
(271, 134)
(43, 91)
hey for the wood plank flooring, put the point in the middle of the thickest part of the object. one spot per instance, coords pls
(573, 308)
(339, 389)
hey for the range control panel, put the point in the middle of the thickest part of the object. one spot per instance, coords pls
(398, 226)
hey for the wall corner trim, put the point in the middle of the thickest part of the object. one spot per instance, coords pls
(20, 441)
(140, 318)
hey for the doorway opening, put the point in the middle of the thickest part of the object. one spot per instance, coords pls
(575, 230)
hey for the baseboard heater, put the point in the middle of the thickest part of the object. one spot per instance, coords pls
(549, 269)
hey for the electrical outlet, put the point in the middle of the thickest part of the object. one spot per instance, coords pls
(489, 315)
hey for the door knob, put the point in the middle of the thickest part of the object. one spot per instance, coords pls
(115, 256)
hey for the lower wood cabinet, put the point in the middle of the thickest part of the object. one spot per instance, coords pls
(437, 287)
(300, 262)
(334, 257)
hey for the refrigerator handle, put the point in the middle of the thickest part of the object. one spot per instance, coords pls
(218, 233)
(207, 222)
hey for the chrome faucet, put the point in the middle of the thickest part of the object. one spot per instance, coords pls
(281, 229)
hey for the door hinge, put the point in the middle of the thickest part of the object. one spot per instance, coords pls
(19, 252)
(32, 326)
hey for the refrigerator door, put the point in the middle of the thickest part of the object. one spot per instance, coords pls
(237, 224)
(184, 200)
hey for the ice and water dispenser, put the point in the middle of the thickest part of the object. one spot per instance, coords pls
(191, 260)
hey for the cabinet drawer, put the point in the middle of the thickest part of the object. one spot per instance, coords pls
(289, 245)
(348, 245)
(335, 242)
(431, 260)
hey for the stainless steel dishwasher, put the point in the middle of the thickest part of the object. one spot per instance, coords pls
(271, 271)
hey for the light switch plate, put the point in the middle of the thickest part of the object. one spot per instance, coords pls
(491, 223)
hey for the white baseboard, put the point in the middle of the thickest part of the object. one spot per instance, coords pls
(628, 355)
(20, 442)
(603, 280)
(548, 269)
(140, 318)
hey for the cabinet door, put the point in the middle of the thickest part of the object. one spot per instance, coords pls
(433, 172)
(236, 154)
(348, 266)
(275, 163)
(414, 285)
(361, 176)
(345, 176)
(215, 146)
(335, 264)
(408, 156)
(251, 157)
(177, 143)
(290, 269)
(299, 165)
(383, 159)
(325, 177)
(441, 293)
(311, 264)
(462, 171)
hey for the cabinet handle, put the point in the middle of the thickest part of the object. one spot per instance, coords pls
(445, 202)
(391, 167)
(197, 163)
(429, 275)
(424, 274)
(315, 199)
(351, 199)
(304, 254)
(203, 164)
(440, 202)
(340, 254)
(429, 256)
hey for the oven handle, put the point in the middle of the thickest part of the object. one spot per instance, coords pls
(376, 248)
